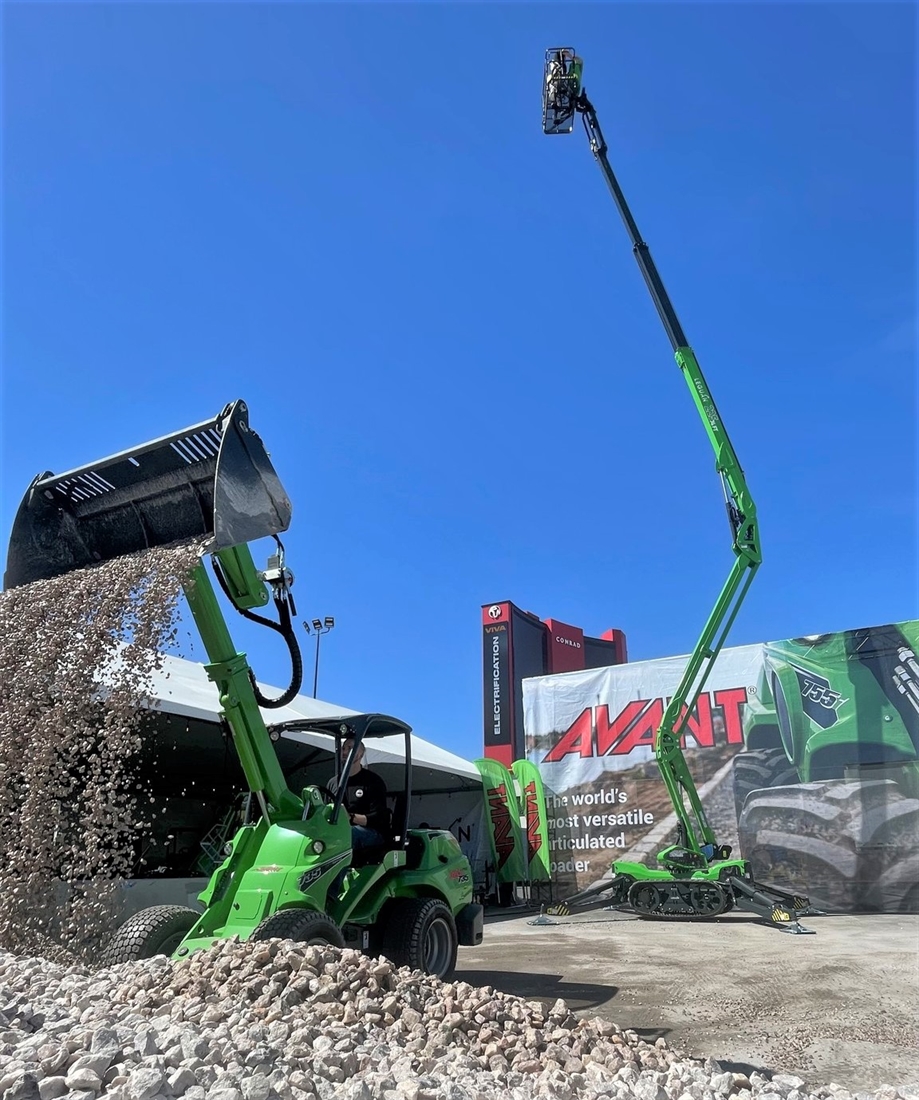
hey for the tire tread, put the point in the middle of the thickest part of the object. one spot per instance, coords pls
(131, 941)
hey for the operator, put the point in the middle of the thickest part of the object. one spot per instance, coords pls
(365, 801)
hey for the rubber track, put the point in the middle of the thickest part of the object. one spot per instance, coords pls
(681, 894)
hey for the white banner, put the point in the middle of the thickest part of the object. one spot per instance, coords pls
(804, 751)
(591, 734)
(582, 724)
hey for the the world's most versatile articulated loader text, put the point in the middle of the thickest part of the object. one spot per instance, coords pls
(214, 481)
(697, 877)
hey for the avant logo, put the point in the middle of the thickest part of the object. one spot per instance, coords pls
(531, 802)
(494, 611)
(500, 824)
(599, 732)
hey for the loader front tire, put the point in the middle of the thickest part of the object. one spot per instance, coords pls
(421, 933)
(851, 845)
(307, 926)
(155, 931)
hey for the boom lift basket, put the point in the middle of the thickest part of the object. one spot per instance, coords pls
(214, 480)
(560, 90)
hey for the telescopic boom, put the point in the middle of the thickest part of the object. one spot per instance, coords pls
(563, 97)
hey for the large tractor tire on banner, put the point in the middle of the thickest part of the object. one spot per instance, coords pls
(853, 845)
(759, 769)
(891, 858)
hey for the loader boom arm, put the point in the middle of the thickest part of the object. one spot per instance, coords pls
(697, 834)
(229, 670)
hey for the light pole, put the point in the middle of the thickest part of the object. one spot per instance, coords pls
(320, 627)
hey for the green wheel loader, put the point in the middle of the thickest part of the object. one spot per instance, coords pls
(411, 899)
(697, 878)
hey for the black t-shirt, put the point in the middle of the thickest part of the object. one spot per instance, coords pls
(366, 794)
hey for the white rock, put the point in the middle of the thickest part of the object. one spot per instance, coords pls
(52, 1087)
(785, 1082)
(84, 1079)
(144, 1083)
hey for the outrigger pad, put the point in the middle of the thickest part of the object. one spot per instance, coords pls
(212, 480)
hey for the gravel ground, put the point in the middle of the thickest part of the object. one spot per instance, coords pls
(284, 1021)
(839, 1006)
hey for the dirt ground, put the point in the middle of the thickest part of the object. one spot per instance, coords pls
(840, 1006)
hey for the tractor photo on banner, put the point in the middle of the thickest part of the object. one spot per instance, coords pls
(805, 753)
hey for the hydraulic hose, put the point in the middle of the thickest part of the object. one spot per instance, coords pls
(285, 628)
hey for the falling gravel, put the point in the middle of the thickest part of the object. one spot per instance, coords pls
(71, 809)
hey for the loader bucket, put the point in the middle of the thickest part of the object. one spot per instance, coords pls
(212, 480)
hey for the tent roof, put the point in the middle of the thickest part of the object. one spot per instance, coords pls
(182, 688)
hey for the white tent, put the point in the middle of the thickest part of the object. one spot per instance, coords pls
(195, 771)
(182, 688)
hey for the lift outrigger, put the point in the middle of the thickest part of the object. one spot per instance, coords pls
(698, 878)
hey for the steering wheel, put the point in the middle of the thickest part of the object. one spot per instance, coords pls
(327, 796)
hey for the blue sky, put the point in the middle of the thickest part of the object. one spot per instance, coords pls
(349, 217)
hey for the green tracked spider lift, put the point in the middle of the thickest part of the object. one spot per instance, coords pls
(697, 878)
(412, 899)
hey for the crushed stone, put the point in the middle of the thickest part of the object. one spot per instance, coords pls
(279, 1020)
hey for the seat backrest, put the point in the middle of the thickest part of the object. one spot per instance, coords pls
(398, 820)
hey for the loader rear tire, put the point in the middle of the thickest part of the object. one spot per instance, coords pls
(421, 933)
(307, 926)
(758, 770)
(155, 931)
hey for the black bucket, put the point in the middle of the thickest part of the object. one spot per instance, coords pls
(213, 480)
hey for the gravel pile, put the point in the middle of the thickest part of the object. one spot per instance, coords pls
(285, 1021)
(70, 808)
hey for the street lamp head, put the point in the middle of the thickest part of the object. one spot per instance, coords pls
(320, 627)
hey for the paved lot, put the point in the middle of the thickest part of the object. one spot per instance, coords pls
(841, 1006)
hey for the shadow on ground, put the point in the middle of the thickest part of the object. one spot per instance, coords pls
(651, 1034)
(744, 1067)
(496, 915)
(541, 987)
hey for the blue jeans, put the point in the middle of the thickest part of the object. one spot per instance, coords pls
(364, 837)
(361, 837)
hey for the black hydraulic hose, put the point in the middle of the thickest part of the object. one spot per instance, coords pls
(285, 628)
